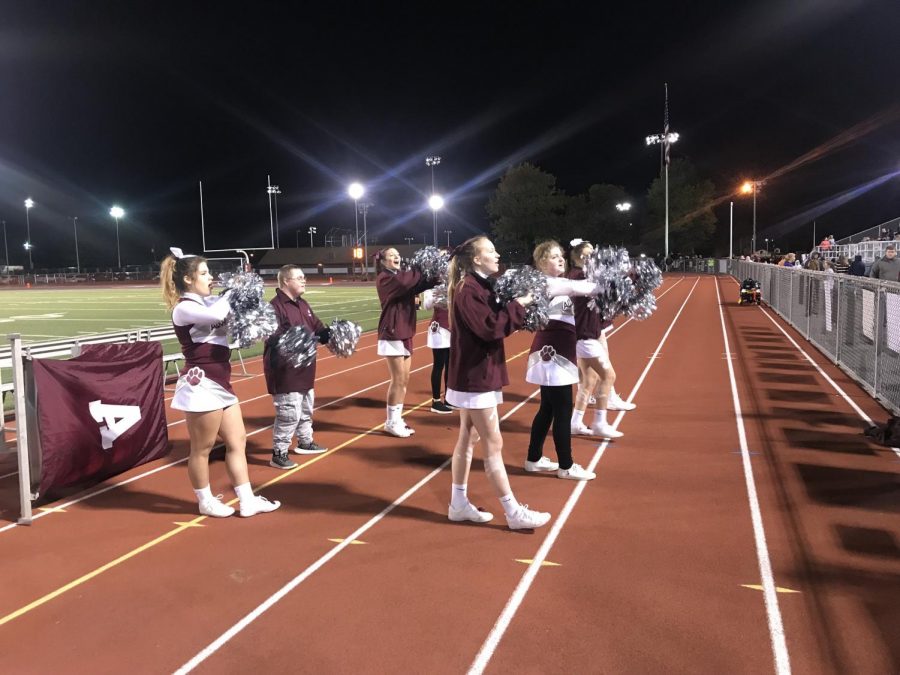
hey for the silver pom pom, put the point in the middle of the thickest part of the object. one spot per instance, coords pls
(252, 319)
(515, 283)
(440, 295)
(647, 278)
(343, 336)
(297, 346)
(611, 269)
(431, 261)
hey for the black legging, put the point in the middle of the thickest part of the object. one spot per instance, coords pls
(440, 365)
(556, 407)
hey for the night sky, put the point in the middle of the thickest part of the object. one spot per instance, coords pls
(133, 103)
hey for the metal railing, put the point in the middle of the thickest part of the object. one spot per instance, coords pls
(854, 321)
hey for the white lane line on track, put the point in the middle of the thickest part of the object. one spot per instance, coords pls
(267, 604)
(834, 385)
(773, 612)
(518, 595)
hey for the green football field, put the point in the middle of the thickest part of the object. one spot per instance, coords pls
(40, 315)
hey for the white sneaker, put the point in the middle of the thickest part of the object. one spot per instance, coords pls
(398, 429)
(526, 519)
(542, 465)
(576, 472)
(468, 512)
(605, 431)
(409, 429)
(580, 430)
(616, 403)
(257, 504)
(215, 508)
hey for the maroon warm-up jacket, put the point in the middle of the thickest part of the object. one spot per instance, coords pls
(282, 377)
(588, 323)
(477, 357)
(397, 293)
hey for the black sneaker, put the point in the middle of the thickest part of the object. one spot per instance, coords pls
(311, 448)
(281, 461)
(439, 407)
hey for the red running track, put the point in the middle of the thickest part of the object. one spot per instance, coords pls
(692, 551)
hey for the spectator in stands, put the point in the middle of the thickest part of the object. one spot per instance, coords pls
(888, 267)
(789, 260)
(813, 264)
(841, 265)
(831, 240)
(292, 388)
(825, 244)
(858, 267)
(204, 390)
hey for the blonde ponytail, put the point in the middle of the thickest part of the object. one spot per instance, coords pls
(172, 272)
(460, 265)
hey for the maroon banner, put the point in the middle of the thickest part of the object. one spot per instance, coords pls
(100, 413)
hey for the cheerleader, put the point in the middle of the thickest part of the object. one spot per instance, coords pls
(397, 291)
(594, 366)
(204, 390)
(477, 374)
(438, 341)
(551, 365)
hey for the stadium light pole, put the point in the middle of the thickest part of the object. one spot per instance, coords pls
(752, 187)
(409, 240)
(5, 246)
(448, 233)
(436, 203)
(274, 191)
(29, 203)
(665, 140)
(432, 161)
(730, 230)
(312, 231)
(117, 212)
(77, 259)
(364, 209)
(356, 191)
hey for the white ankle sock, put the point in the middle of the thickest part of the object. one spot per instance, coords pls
(599, 417)
(577, 417)
(244, 491)
(509, 504)
(203, 493)
(613, 396)
(395, 412)
(458, 496)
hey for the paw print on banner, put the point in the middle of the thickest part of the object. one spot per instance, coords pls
(547, 353)
(434, 327)
(194, 375)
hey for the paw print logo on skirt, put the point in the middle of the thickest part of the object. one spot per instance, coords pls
(194, 375)
(547, 353)
(434, 326)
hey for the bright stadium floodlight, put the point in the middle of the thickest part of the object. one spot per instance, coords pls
(432, 161)
(117, 212)
(751, 187)
(623, 206)
(436, 202)
(356, 191)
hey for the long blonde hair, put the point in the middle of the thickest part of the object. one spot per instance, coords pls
(461, 264)
(172, 272)
(542, 252)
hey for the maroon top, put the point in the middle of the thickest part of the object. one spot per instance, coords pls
(477, 357)
(282, 377)
(588, 323)
(397, 293)
(559, 335)
(213, 359)
(441, 316)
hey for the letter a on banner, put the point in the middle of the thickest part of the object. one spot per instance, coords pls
(118, 418)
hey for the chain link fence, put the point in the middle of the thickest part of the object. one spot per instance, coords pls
(855, 321)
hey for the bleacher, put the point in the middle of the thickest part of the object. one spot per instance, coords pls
(869, 243)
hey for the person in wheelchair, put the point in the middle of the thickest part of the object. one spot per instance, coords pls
(750, 292)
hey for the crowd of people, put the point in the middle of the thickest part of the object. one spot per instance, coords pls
(466, 337)
(885, 268)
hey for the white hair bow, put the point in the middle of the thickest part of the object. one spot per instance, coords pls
(178, 253)
(576, 242)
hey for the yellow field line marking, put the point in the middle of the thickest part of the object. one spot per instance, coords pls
(183, 527)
